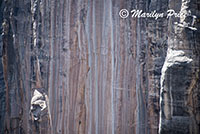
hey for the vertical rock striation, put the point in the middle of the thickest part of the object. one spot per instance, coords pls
(76, 67)
(2, 84)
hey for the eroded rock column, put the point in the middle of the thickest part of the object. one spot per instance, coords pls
(180, 74)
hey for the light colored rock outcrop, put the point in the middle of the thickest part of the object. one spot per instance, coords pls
(38, 104)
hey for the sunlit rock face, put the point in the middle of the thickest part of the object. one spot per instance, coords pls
(77, 67)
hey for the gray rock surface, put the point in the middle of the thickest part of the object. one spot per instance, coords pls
(76, 67)
(179, 96)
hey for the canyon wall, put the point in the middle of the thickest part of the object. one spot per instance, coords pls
(179, 98)
(76, 67)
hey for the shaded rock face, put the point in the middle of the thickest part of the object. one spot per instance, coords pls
(180, 74)
(76, 67)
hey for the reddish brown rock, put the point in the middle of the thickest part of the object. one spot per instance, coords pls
(99, 73)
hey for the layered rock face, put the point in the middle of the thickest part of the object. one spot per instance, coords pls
(76, 67)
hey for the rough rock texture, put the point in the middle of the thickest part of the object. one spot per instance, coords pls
(38, 104)
(180, 83)
(2, 84)
(76, 67)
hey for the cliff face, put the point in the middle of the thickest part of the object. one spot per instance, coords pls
(76, 67)
(180, 100)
